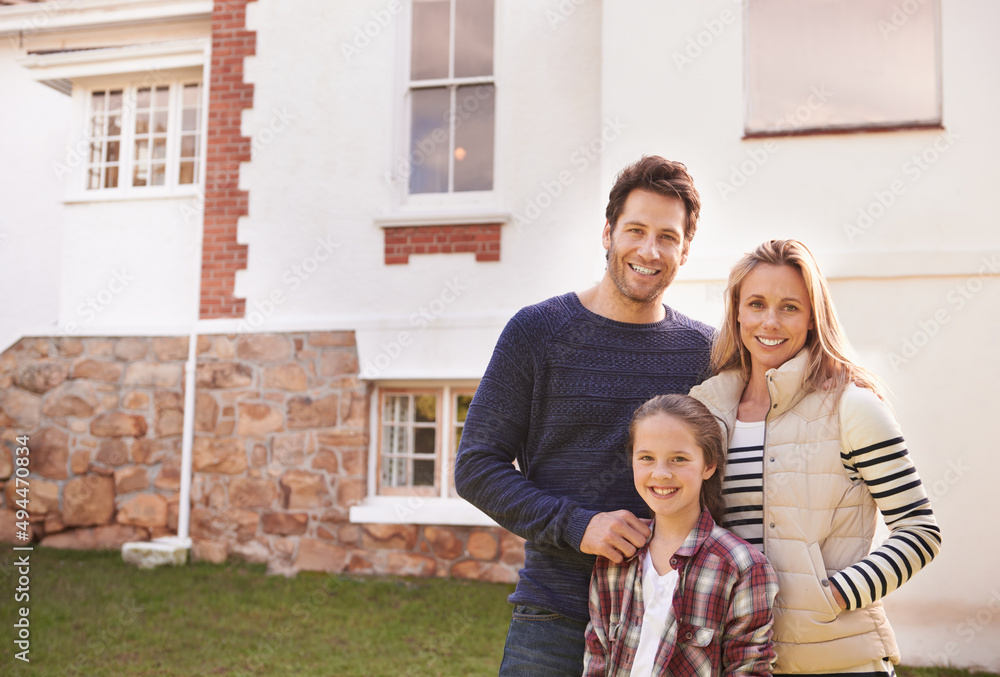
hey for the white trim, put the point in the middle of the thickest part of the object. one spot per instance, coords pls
(154, 57)
(49, 17)
(445, 216)
(419, 510)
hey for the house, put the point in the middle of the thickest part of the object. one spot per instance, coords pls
(341, 204)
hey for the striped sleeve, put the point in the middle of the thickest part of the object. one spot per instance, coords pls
(876, 451)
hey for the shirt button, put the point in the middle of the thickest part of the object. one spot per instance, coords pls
(688, 635)
(673, 560)
(826, 583)
(772, 459)
(775, 406)
(772, 525)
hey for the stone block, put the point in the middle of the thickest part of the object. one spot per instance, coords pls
(72, 398)
(316, 555)
(445, 543)
(263, 348)
(130, 349)
(342, 438)
(42, 377)
(43, 497)
(169, 477)
(216, 524)
(209, 551)
(331, 339)
(100, 347)
(223, 375)
(69, 347)
(305, 412)
(289, 376)
(483, 545)
(144, 510)
(153, 375)
(150, 452)
(247, 492)
(302, 489)
(511, 548)
(6, 461)
(355, 462)
(113, 451)
(79, 461)
(256, 419)
(326, 460)
(206, 412)
(226, 456)
(354, 411)
(98, 370)
(483, 571)
(9, 528)
(88, 500)
(409, 564)
(350, 492)
(118, 424)
(135, 400)
(389, 536)
(19, 409)
(130, 479)
(338, 363)
(50, 453)
(111, 537)
(54, 523)
(102, 471)
(284, 523)
(171, 348)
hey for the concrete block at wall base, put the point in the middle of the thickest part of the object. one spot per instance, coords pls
(151, 554)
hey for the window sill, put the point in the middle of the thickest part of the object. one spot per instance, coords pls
(442, 217)
(133, 195)
(419, 510)
(749, 135)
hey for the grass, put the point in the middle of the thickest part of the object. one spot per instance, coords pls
(92, 616)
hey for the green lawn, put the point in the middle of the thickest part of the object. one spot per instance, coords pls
(92, 615)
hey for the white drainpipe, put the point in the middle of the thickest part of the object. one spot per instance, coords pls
(184, 509)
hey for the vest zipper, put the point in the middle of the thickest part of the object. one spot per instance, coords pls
(765, 523)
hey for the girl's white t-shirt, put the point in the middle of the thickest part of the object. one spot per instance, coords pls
(658, 599)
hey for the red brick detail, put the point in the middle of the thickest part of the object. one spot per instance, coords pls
(228, 96)
(483, 240)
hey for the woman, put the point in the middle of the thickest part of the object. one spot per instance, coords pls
(814, 455)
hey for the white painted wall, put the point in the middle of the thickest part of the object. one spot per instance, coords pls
(921, 263)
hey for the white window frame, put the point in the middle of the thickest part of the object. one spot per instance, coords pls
(126, 155)
(466, 207)
(442, 506)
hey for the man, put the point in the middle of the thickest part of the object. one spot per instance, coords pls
(563, 382)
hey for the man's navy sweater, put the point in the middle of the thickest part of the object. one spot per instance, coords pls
(557, 397)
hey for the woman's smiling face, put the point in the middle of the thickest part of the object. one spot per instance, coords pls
(775, 315)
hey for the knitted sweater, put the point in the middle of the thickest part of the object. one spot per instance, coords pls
(556, 398)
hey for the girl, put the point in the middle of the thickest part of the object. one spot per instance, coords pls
(815, 455)
(695, 600)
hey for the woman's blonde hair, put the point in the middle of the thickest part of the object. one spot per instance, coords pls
(830, 366)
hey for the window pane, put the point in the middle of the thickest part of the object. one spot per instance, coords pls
(423, 440)
(161, 97)
(423, 473)
(458, 436)
(159, 148)
(114, 125)
(142, 123)
(192, 95)
(142, 98)
(94, 179)
(140, 175)
(187, 174)
(474, 138)
(189, 120)
(430, 141)
(160, 122)
(394, 409)
(462, 403)
(429, 56)
(112, 152)
(822, 65)
(188, 147)
(393, 440)
(159, 174)
(426, 408)
(473, 38)
(141, 151)
(115, 100)
(111, 177)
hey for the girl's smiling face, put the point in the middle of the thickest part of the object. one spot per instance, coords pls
(668, 468)
(775, 315)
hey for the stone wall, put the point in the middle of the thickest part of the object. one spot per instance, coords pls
(280, 454)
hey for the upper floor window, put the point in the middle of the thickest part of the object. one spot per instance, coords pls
(144, 136)
(842, 65)
(451, 97)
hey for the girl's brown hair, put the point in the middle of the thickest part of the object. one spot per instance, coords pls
(707, 434)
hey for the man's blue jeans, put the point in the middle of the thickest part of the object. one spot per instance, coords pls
(543, 644)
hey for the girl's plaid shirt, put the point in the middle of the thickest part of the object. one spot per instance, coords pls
(721, 610)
